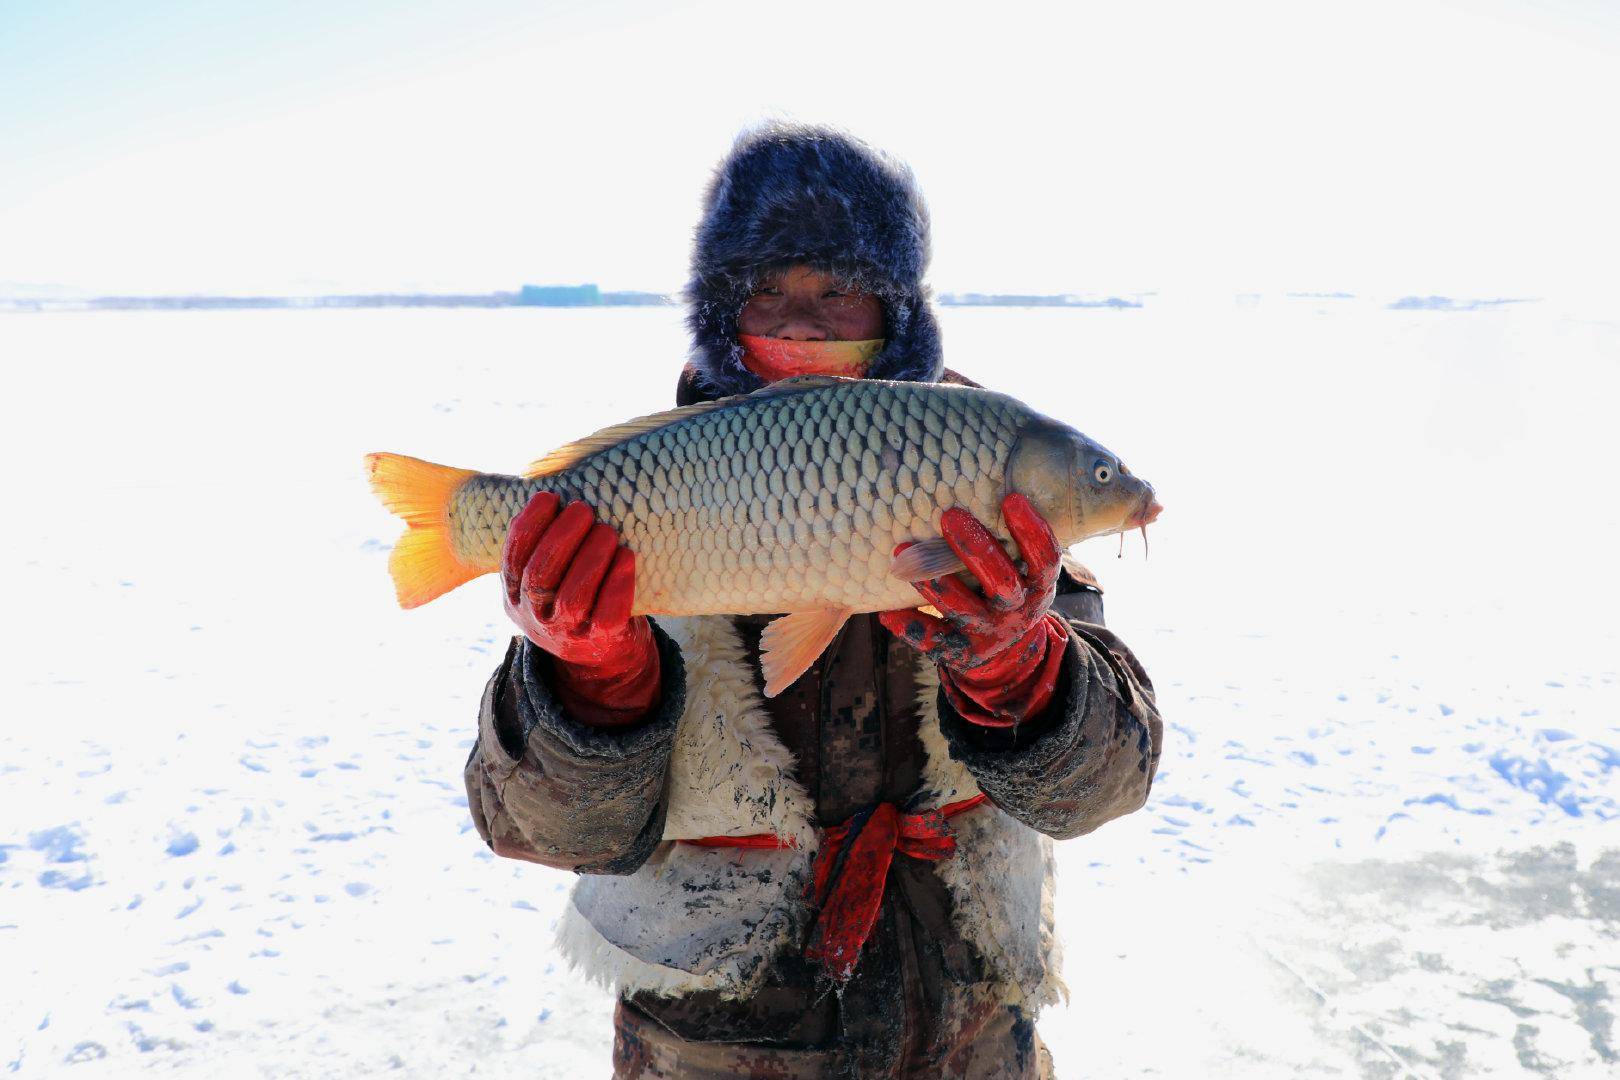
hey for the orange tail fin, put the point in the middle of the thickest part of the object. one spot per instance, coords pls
(424, 563)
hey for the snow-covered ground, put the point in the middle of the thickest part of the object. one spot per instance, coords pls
(1384, 841)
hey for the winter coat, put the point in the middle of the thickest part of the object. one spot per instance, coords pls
(704, 945)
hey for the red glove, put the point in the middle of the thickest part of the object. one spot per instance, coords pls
(999, 652)
(570, 587)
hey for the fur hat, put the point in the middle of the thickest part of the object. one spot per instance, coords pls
(793, 193)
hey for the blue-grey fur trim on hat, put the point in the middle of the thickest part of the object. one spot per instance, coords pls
(793, 193)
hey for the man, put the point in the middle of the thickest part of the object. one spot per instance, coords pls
(852, 878)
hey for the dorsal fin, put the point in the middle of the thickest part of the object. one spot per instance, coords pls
(801, 382)
(573, 453)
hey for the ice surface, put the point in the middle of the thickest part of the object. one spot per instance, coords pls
(1383, 841)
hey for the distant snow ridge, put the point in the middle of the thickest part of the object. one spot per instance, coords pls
(1446, 303)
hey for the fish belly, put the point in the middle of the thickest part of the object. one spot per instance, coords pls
(777, 504)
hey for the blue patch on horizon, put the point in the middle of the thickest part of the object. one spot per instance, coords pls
(1446, 303)
(184, 844)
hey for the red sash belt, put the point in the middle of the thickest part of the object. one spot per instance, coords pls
(852, 869)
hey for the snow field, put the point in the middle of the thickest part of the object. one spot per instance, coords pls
(1377, 609)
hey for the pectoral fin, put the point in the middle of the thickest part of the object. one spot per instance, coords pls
(791, 644)
(928, 559)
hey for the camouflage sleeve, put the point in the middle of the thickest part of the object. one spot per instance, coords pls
(544, 787)
(1088, 759)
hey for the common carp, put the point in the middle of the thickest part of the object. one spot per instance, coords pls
(790, 499)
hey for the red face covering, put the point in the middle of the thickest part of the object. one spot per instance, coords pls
(775, 359)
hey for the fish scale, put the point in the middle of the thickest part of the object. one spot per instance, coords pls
(773, 501)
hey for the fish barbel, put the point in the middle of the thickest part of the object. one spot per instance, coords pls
(790, 499)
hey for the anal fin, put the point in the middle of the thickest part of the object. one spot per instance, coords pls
(791, 644)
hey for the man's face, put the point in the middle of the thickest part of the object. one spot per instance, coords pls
(801, 304)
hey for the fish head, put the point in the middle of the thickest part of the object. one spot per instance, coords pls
(1082, 488)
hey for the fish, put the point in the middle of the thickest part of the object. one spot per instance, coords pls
(791, 500)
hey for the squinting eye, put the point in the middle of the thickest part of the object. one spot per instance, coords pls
(832, 294)
(1101, 472)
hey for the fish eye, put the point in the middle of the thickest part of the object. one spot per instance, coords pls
(1102, 472)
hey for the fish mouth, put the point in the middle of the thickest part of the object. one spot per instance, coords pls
(1147, 513)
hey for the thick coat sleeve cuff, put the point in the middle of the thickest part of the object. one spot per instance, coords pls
(545, 787)
(1089, 758)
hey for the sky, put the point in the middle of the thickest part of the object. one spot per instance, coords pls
(1415, 147)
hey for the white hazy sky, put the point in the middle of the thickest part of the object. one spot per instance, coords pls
(1419, 146)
